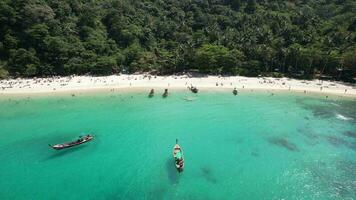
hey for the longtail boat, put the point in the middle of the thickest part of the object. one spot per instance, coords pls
(178, 157)
(151, 93)
(234, 91)
(81, 140)
(165, 94)
(193, 89)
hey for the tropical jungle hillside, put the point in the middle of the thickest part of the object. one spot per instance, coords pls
(300, 38)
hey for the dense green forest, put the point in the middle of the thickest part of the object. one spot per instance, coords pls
(296, 38)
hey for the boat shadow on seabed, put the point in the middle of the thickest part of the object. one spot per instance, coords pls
(173, 174)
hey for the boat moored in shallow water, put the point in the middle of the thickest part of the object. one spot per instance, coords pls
(151, 93)
(234, 91)
(178, 157)
(81, 140)
(165, 94)
(193, 89)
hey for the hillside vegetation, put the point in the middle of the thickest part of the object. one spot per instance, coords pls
(300, 38)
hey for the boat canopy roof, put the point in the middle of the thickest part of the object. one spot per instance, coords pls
(179, 155)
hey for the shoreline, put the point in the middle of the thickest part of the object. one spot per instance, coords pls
(145, 91)
(88, 84)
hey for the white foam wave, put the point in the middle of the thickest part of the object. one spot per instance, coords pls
(335, 104)
(342, 117)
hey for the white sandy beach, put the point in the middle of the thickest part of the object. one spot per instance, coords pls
(116, 82)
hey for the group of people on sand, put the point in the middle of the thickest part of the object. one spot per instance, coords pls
(29, 83)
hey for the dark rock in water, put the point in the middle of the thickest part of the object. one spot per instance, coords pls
(282, 142)
(336, 141)
(255, 154)
(308, 133)
(339, 142)
(322, 112)
(207, 174)
(350, 134)
(311, 135)
(323, 109)
(206, 170)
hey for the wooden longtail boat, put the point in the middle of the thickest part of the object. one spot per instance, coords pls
(193, 89)
(81, 140)
(151, 93)
(165, 94)
(178, 157)
(234, 91)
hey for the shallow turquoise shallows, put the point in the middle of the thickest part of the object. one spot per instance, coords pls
(251, 146)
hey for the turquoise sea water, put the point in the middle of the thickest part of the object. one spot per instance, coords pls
(249, 146)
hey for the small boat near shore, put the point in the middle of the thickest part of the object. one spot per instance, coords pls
(150, 95)
(193, 89)
(81, 140)
(178, 157)
(234, 91)
(165, 94)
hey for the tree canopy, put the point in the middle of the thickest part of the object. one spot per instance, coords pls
(246, 37)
